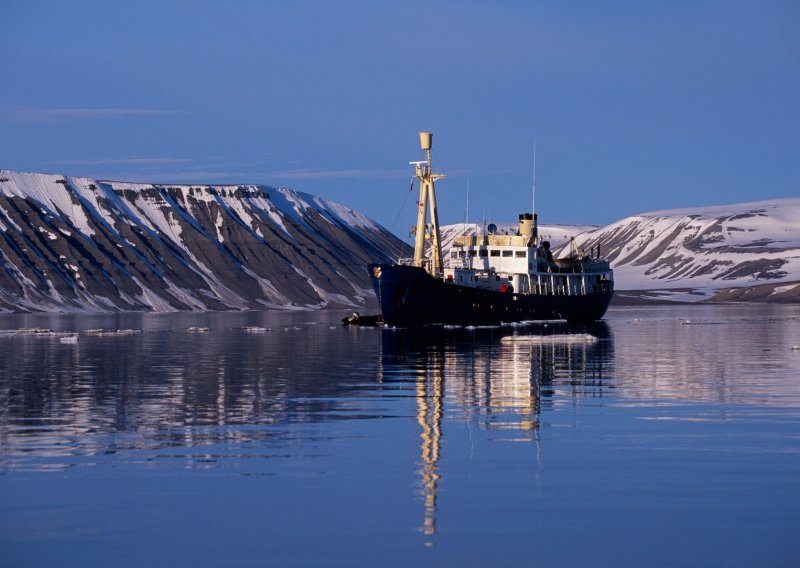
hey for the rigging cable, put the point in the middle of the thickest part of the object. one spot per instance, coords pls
(399, 211)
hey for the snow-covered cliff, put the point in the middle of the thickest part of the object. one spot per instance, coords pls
(747, 251)
(75, 244)
(70, 243)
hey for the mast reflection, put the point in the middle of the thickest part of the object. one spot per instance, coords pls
(497, 380)
(429, 390)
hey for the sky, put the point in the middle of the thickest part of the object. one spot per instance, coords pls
(632, 106)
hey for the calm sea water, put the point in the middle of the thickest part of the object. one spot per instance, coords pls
(665, 436)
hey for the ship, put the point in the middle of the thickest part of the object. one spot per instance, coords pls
(487, 279)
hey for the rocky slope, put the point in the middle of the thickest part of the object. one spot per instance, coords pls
(71, 243)
(77, 244)
(748, 251)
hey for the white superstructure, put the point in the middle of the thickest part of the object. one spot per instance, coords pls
(522, 263)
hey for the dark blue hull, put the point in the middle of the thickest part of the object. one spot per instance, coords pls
(409, 296)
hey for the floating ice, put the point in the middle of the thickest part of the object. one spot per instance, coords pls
(112, 332)
(37, 332)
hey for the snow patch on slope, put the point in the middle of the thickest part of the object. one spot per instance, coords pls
(40, 187)
(706, 249)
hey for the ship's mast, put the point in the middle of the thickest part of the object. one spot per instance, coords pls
(427, 195)
(533, 183)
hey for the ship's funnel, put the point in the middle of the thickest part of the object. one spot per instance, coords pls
(526, 225)
(425, 140)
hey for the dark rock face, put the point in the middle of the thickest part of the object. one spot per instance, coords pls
(79, 244)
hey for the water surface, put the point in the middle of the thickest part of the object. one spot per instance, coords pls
(663, 436)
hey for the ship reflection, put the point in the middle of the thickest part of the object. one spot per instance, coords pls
(429, 391)
(496, 379)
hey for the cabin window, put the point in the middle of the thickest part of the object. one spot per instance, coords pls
(507, 253)
(483, 252)
(453, 254)
(473, 253)
(520, 254)
(494, 252)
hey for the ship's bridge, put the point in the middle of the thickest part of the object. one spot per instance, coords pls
(499, 253)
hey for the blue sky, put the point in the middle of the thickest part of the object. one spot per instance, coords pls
(633, 106)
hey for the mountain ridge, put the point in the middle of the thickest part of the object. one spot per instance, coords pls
(79, 244)
(735, 252)
(73, 243)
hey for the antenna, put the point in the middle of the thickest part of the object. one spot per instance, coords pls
(466, 211)
(533, 185)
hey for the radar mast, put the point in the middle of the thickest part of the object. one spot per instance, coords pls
(427, 195)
